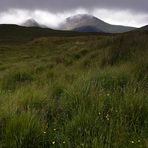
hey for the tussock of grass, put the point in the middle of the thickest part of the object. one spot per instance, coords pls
(15, 78)
(23, 130)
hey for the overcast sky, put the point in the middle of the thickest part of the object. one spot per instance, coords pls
(52, 12)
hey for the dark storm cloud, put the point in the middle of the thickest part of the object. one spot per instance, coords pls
(63, 5)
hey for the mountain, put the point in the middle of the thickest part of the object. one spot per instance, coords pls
(32, 23)
(87, 29)
(84, 22)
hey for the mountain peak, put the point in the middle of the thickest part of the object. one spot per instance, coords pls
(81, 17)
(31, 23)
(86, 22)
(78, 21)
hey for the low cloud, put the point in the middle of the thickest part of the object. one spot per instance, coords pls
(121, 17)
(18, 16)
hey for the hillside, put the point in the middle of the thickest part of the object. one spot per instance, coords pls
(144, 28)
(82, 20)
(87, 29)
(15, 33)
(65, 89)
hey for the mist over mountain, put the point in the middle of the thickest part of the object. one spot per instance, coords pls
(80, 21)
(32, 23)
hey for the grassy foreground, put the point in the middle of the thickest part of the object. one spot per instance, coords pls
(74, 92)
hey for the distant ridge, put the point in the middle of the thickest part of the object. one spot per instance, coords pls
(14, 33)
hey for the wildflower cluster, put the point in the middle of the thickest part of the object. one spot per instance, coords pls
(107, 117)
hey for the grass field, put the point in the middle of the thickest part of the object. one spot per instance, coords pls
(69, 90)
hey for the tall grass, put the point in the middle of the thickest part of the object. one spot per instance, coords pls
(75, 92)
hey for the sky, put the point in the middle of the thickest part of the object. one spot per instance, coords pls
(52, 12)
